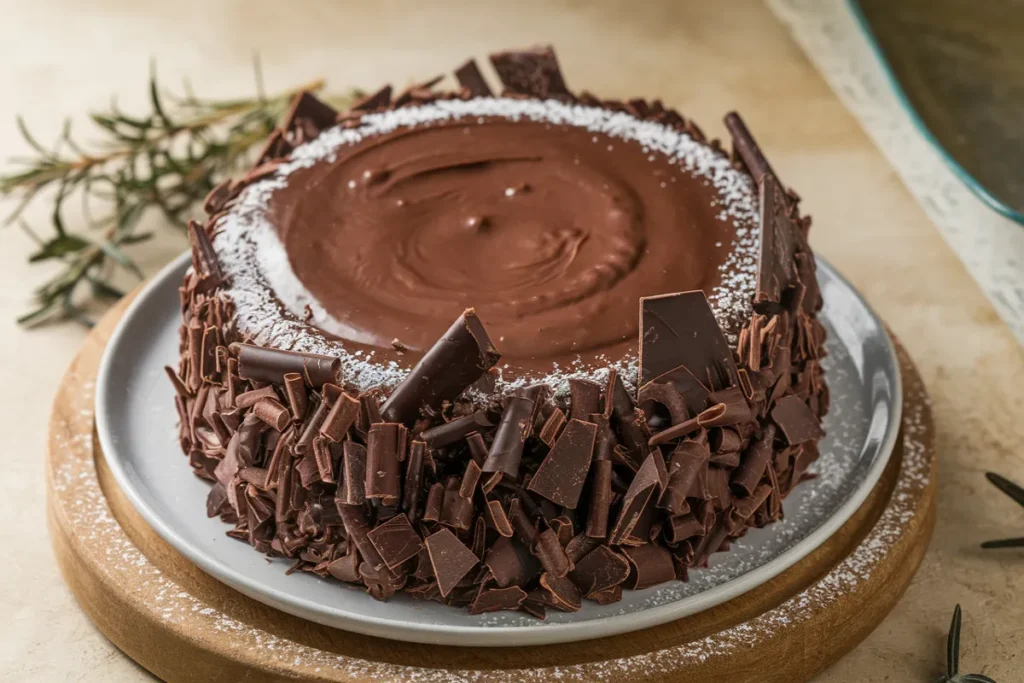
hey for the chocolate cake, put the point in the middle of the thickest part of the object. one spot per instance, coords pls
(500, 351)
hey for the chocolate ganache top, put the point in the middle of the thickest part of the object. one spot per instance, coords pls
(551, 220)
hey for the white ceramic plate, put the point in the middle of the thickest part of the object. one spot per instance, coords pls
(136, 423)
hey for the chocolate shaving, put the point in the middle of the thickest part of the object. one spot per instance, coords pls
(413, 479)
(396, 541)
(435, 502)
(497, 599)
(451, 432)
(454, 362)
(272, 413)
(559, 593)
(354, 458)
(385, 450)
(263, 364)
(345, 568)
(472, 80)
(499, 519)
(341, 417)
(796, 421)
(552, 556)
(681, 330)
(204, 258)
(357, 527)
(295, 391)
(608, 596)
(650, 565)
(563, 472)
(531, 72)
(250, 398)
(599, 570)
(450, 559)
(507, 449)
(552, 426)
(477, 448)
(753, 463)
(510, 563)
(600, 499)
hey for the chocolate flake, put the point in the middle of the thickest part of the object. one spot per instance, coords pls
(471, 79)
(552, 427)
(651, 564)
(396, 541)
(531, 72)
(381, 98)
(450, 559)
(563, 472)
(601, 569)
(497, 599)
(204, 258)
(796, 421)
(308, 112)
(454, 362)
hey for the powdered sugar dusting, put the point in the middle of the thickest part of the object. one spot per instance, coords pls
(255, 260)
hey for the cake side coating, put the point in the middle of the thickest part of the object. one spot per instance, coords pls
(533, 501)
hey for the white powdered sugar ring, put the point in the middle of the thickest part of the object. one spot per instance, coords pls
(168, 614)
(275, 309)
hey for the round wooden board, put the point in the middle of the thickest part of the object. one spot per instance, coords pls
(183, 625)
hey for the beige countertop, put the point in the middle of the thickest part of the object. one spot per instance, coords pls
(64, 58)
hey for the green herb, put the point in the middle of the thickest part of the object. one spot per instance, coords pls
(167, 160)
(953, 674)
(1017, 494)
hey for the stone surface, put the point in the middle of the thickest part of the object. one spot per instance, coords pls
(65, 57)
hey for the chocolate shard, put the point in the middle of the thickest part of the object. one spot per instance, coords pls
(753, 463)
(511, 563)
(471, 79)
(357, 528)
(563, 472)
(531, 72)
(681, 330)
(452, 432)
(746, 148)
(633, 503)
(599, 570)
(345, 568)
(261, 364)
(585, 399)
(413, 479)
(204, 258)
(276, 147)
(600, 499)
(396, 541)
(691, 389)
(450, 559)
(454, 362)
(385, 450)
(497, 599)
(353, 491)
(651, 564)
(309, 113)
(340, 418)
(776, 269)
(796, 421)
(507, 448)
(381, 98)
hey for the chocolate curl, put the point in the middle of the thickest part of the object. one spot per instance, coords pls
(711, 542)
(324, 460)
(664, 395)
(204, 258)
(457, 511)
(458, 429)
(688, 461)
(472, 80)
(651, 565)
(675, 432)
(585, 399)
(341, 417)
(600, 499)
(280, 457)
(353, 491)
(552, 427)
(271, 365)
(523, 528)
(755, 459)
(632, 432)
(357, 526)
(744, 508)
(580, 546)
(311, 428)
(497, 599)
(559, 593)
(479, 537)
(730, 408)
(295, 391)
(718, 487)
(435, 502)
(208, 354)
(477, 448)
(457, 360)
(251, 398)
(563, 472)
(746, 147)
(499, 519)
(776, 269)
(272, 413)
(369, 403)
(551, 554)
(385, 450)
(796, 421)
(633, 503)
(413, 479)
(507, 448)
(682, 527)
(510, 563)
(724, 440)
(533, 71)
(469, 480)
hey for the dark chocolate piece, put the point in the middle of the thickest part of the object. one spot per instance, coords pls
(511, 563)
(250, 398)
(796, 421)
(552, 426)
(746, 147)
(309, 113)
(507, 448)
(342, 415)
(357, 527)
(413, 483)
(601, 569)
(204, 258)
(552, 556)
(560, 593)
(497, 599)
(753, 463)
(681, 330)
(458, 359)
(295, 390)
(451, 432)
(381, 98)
(385, 450)
(563, 472)
(531, 72)
(450, 559)
(585, 399)
(471, 79)
(640, 491)
(775, 266)
(272, 412)
(396, 541)
(271, 365)
(651, 565)
(354, 458)
(499, 519)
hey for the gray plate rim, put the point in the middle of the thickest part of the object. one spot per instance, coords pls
(475, 635)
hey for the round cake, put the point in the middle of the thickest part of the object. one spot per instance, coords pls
(501, 351)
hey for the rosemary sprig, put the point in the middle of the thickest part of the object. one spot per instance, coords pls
(953, 674)
(167, 160)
